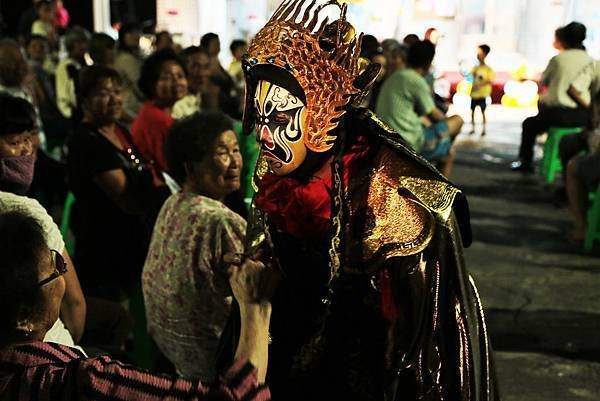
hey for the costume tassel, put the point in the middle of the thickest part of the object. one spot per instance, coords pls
(388, 303)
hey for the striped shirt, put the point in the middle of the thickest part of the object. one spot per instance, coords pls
(49, 371)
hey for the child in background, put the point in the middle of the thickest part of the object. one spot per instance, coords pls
(44, 24)
(483, 76)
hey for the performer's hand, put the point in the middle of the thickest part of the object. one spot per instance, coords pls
(251, 281)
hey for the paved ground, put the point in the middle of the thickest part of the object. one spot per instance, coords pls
(541, 293)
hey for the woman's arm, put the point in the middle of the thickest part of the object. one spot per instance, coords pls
(576, 96)
(114, 184)
(73, 308)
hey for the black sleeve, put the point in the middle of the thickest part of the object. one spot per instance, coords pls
(90, 154)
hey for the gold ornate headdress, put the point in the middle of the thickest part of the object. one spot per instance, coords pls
(324, 61)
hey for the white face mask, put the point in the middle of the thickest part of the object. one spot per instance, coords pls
(280, 120)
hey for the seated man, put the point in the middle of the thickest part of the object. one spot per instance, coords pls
(556, 108)
(406, 104)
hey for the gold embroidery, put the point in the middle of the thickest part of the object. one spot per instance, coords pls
(381, 123)
(395, 214)
(262, 167)
(401, 226)
(438, 196)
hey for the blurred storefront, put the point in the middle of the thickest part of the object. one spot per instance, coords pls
(188, 20)
(520, 32)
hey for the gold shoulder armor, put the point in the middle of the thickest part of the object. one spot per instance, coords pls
(404, 203)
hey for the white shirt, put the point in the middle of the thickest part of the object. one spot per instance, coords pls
(588, 80)
(66, 99)
(560, 73)
(60, 335)
(185, 107)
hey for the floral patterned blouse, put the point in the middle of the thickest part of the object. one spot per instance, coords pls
(185, 283)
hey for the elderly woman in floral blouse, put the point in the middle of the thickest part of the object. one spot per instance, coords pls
(186, 290)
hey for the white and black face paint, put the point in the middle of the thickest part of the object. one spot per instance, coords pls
(280, 118)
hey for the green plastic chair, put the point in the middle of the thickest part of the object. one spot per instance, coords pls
(65, 223)
(593, 222)
(551, 164)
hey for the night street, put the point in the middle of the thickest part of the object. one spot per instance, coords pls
(540, 291)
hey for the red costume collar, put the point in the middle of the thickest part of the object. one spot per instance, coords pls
(303, 210)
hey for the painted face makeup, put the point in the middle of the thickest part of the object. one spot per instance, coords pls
(280, 118)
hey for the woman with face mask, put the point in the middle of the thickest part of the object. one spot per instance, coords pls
(32, 288)
(17, 161)
(186, 292)
(116, 199)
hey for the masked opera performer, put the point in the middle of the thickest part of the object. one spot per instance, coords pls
(374, 302)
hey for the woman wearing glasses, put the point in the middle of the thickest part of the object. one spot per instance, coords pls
(17, 159)
(32, 288)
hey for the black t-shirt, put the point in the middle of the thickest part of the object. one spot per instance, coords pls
(111, 244)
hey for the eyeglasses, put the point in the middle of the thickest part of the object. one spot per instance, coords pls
(60, 268)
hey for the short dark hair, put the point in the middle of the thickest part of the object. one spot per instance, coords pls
(410, 39)
(399, 51)
(16, 115)
(76, 35)
(190, 51)
(207, 38)
(236, 44)
(22, 241)
(158, 35)
(32, 37)
(485, 49)
(98, 44)
(190, 139)
(90, 77)
(369, 46)
(421, 54)
(8, 43)
(40, 3)
(151, 68)
(125, 29)
(572, 35)
(389, 44)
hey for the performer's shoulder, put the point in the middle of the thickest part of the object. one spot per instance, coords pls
(397, 164)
